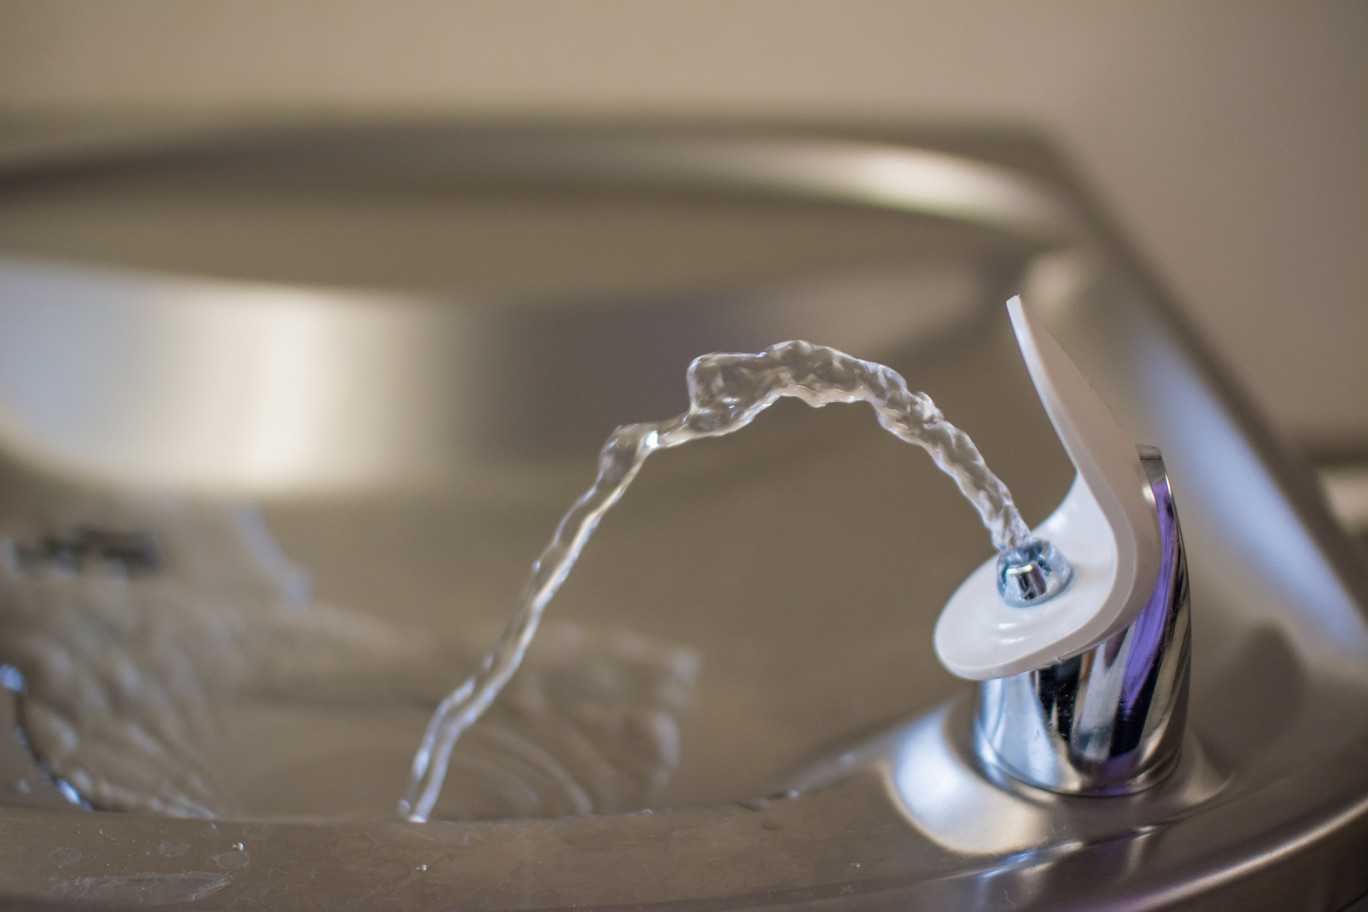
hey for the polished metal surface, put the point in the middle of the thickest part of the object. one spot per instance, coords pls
(405, 342)
(1111, 720)
(1033, 573)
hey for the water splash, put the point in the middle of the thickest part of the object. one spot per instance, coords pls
(726, 393)
(196, 675)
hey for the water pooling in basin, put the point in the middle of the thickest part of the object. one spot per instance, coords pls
(166, 657)
(726, 393)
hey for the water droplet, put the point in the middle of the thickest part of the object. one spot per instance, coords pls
(234, 858)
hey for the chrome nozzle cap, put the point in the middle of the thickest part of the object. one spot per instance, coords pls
(1033, 573)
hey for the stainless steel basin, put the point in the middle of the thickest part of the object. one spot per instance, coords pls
(404, 344)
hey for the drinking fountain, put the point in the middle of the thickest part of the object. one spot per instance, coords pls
(286, 412)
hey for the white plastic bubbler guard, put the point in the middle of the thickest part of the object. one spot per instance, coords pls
(1106, 526)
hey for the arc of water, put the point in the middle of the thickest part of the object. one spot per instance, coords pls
(726, 393)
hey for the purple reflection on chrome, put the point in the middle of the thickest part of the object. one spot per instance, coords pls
(1149, 637)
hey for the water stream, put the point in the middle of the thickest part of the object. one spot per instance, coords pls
(726, 393)
(166, 656)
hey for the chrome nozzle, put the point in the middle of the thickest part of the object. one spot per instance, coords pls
(1032, 573)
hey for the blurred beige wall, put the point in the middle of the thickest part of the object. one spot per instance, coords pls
(1230, 137)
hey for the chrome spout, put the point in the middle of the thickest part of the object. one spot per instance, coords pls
(1082, 662)
(1108, 720)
